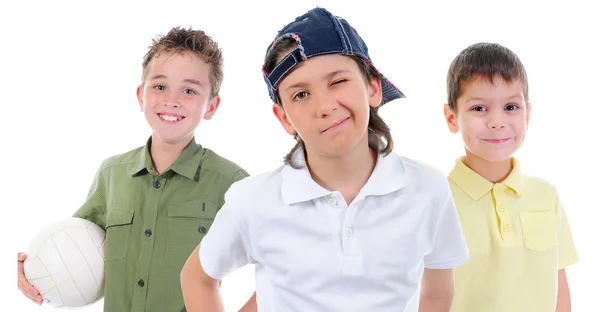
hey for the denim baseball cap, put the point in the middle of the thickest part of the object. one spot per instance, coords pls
(319, 32)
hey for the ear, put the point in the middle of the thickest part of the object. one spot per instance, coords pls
(374, 92)
(527, 113)
(450, 117)
(140, 93)
(284, 119)
(212, 107)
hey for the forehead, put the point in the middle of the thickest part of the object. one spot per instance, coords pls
(179, 65)
(486, 87)
(317, 68)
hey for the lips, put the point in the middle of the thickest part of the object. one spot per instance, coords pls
(335, 125)
(497, 140)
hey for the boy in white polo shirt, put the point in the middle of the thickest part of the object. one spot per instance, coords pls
(345, 224)
(516, 229)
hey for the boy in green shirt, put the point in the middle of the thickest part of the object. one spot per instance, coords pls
(156, 202)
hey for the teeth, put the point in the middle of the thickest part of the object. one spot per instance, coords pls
(169, 118)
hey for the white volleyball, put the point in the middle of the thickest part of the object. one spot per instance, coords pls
(65, 262)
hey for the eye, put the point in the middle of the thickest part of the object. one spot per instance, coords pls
(300, 96)
(512, 107)
(339, 81)
(159, 87)
(478, 108)
(189, 91)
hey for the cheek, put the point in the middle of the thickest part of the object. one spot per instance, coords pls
(469, 127)
(149, 99)
(519, 125)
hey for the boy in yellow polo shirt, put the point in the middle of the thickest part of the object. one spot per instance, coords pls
(516, 229)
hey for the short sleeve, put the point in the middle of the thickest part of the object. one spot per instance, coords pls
(567, 254)
(449, 244)
(239, 175)
(94, 208)
(223, 249)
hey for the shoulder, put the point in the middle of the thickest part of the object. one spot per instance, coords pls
(122, 159)
(538, 186)
(260, 186)
(217, 164)
(423, 176)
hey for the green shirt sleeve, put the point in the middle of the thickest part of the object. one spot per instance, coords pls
(94, 208)
(239, 175)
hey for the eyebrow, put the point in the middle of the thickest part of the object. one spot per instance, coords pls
(190, 81)
(516, 96)
(304, 84)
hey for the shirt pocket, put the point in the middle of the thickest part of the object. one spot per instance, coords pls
(118, 231)
(539, 229)
(188, 224)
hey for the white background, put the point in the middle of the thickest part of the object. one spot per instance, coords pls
(70, 69)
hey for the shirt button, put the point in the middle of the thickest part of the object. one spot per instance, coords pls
(202, 230)
(156, 184)
(141, 283)
(348, 232)
(332, 201)
(148, 232)
(505, 228)
(501, 209)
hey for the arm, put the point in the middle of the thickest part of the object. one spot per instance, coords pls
(221, 252)
(563, 303)
(94, 210)
(567, 255)
(200, 291)
(437, 290)
(449, 251)
(251, 305)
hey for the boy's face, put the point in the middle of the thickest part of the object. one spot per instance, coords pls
(326, 101)
(491, 118)
(176, 95)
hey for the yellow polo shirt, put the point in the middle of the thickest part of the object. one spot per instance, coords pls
(518, 237)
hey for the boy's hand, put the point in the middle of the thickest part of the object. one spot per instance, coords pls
(24, 286)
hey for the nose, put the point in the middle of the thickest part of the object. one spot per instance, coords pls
(327, 104)
(496, 120)
(171, 99)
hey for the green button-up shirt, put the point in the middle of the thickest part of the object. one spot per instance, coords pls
(154, 222)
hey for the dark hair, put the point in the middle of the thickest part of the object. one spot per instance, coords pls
(484, 60)
(195, 41)
(377, 127)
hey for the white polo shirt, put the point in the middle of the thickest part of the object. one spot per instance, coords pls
(315, 253)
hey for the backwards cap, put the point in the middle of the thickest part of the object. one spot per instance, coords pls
(318, 32)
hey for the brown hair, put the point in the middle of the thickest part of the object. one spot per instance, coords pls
(377, 127)
(484, 60)
(196, 41)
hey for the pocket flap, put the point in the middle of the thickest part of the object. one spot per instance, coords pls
(194, 209)
(119, 217)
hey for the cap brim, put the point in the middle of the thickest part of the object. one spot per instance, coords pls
(389, 91)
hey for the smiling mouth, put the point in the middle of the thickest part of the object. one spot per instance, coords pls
(170, 118)
(335, 125)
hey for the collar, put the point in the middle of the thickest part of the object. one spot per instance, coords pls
(476, 186)
(186, 165)
(389, 175)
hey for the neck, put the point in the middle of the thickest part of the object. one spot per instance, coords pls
(493, 171)
(347, 173)
(164, 154)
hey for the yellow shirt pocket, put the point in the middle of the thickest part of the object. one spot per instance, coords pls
(539, 229)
